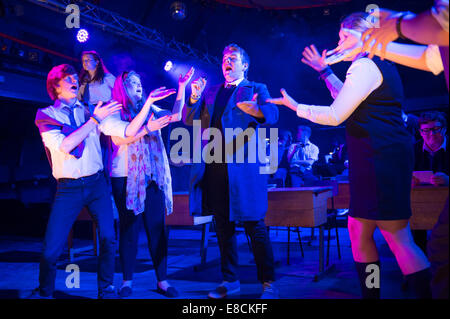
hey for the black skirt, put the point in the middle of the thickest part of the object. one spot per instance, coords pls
(380, 179)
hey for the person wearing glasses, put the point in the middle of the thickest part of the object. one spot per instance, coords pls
(431, 154)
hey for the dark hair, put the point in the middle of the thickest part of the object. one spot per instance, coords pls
(100, 70)
(286, 134)
(244, 55)
(358, 21)
(55, 75)
(305, 128)
(432, 116)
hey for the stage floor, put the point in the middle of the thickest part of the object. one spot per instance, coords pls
(19, 268)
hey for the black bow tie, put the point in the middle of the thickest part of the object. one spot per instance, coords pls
(230, 86)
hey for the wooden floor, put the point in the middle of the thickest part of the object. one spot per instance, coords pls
(19, 268)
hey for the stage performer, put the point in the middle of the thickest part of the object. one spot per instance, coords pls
(70, 134)
(140, 176)
(233, 192)
(380, 154)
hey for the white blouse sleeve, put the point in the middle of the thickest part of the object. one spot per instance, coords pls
(114, 126)
(433, 59)
(363, 77)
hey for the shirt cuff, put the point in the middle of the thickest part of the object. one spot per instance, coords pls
(303, 111)
(433, 59)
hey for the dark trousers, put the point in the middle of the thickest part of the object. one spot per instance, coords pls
(216, 179)
(304, 179)
(71, 196)
(154, 224)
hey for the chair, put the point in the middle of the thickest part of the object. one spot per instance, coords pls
(332, 215)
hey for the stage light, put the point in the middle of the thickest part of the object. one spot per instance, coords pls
(168, 66)
(33, 56)
(178, 10)
(82, 35)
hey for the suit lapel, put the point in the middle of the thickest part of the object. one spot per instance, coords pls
(243, 92)
(210, 100)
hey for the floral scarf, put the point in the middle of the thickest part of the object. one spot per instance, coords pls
(147, 161)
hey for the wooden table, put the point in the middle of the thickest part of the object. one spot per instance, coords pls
(301, 207)
(427, 203)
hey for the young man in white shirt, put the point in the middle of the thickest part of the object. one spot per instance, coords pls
(301, 156)
(70, 134)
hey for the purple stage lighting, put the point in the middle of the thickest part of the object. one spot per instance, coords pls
(82, 35)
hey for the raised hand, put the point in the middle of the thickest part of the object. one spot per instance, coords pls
(103, 111)
(251, 107)
(312, 58)
(184, 80)
(198, 86)
(285, 100)
(383, 34)
(154, 125)
(161, 93)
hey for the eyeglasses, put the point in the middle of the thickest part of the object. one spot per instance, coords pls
(432, 130)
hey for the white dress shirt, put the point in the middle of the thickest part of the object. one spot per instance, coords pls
(308, 152)
(100, 91)
(363, 77)
(65, 165)
(235, 82)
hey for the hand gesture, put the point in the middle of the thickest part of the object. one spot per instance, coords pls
(159, 94)
(439, 179)
(103, 111)
(312, 58)
(285, 100)
(184, 80)
(154, 125)
(251, 107)
(198, 86)
(383, 34)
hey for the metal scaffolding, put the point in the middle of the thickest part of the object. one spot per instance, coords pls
(123, 27)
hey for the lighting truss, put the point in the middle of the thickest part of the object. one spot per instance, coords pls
(112, 22)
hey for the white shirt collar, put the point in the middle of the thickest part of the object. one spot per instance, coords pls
(236, 82)
(443, 146)
(60, 104)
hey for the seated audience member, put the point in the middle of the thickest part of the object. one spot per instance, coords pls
(301, 156)
(431, 154)
(284, 141)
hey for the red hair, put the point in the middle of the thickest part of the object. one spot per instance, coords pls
(55, 75)
(119, 94)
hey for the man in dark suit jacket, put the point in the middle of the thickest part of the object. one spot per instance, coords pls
(233, 191)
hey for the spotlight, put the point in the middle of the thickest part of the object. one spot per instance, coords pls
(82, 35)
(178, 10)
(33, 56)
(168, 66)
